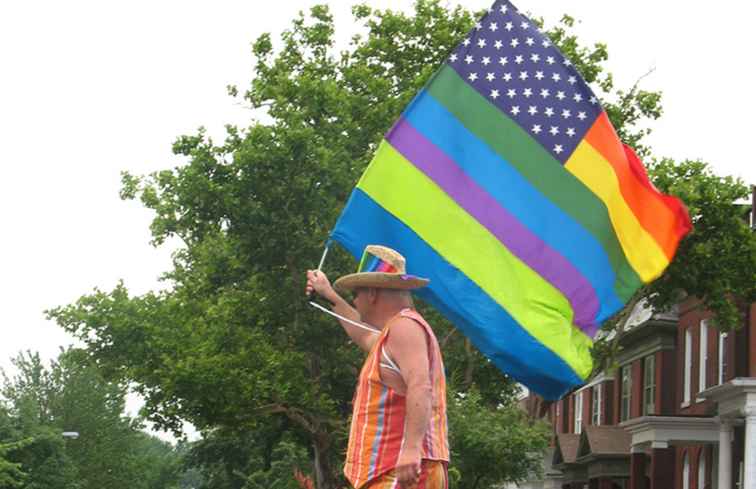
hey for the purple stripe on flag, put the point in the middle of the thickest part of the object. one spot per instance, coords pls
(528, 247)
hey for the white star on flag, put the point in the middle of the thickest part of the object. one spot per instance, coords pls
(504, 38)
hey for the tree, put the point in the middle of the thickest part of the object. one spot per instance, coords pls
(11, 475)
(718, 259)
(492, 445)
(71, 395)
(231, 345)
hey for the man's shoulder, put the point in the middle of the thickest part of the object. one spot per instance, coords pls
(406, 328)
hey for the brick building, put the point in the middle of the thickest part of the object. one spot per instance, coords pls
(679, 412)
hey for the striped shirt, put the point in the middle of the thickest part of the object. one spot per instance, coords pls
(378, 417)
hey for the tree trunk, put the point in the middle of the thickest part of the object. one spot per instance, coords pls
(324, 476)
(470, 367)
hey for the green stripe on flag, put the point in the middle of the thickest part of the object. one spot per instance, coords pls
(511, 142)
(407, 193)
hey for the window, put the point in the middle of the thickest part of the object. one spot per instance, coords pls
(565, 414)
(627, 381)
(649, 385)
(722, 358)
(703, 355)
(687, 365)
(686, 472)
(596, 405)
(702, 469)
(578, 412)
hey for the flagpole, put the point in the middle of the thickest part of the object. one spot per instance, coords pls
(325, 252)
(314, 304)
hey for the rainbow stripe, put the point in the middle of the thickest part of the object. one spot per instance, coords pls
(527, 253)
(372, 263)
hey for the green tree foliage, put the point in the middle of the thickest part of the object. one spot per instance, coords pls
(230, 344)
(71, 395)
(252, 457)
(718, 259)
(11, 475)
(492, 444)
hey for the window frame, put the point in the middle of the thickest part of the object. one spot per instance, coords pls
(578, 424)
(625, 407)
(703, 354)
(649, 385)
(596, 392)
(687, 364)
(722, 360)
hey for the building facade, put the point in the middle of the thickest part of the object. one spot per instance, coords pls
(679, 412)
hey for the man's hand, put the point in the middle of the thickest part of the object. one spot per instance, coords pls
(408, 468)
(318, 281)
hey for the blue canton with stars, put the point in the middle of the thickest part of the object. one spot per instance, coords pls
(508, 61)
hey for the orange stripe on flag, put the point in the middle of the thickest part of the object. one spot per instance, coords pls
(653, 212)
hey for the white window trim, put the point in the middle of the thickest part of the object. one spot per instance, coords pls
(629, 392)
(686, 367)
(702, 470)
(596, 395)
(578, 427)
(646, 385)
(722, 352)
(703, 356)
(686, 471)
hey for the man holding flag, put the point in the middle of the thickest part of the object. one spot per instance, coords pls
(505, 183)
(398, 433)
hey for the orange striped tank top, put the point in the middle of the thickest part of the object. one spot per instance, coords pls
(377, 432)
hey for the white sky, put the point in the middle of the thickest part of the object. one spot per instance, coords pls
(91, 88)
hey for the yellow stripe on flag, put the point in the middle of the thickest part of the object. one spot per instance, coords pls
(409, 195)
(641, 249)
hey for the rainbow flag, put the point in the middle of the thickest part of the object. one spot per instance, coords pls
(505, 183)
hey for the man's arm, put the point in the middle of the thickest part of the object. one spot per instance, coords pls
(318, 282)
(407, 344)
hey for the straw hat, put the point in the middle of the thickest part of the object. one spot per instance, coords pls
(383, 268)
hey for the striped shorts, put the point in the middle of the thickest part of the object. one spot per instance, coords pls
(433, 475)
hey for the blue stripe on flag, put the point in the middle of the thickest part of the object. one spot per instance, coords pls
(518, 196)
(496, 334)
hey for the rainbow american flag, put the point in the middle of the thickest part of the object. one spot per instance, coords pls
(505, 184)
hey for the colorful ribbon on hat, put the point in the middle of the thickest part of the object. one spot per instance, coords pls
(371, 263)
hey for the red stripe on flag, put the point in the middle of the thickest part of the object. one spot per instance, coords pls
(662, 216)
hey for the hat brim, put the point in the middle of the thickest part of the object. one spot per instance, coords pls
(380, 280)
